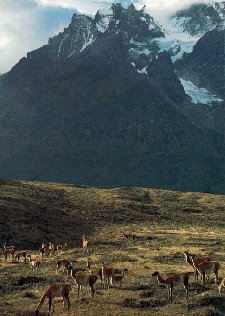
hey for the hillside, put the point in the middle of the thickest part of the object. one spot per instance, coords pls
(166, 222)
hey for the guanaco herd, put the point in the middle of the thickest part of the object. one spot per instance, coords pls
(108, 275)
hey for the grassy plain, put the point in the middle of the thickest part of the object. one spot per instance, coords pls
(166, 222)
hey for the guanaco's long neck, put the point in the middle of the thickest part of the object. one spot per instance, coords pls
(88, 265)
(188, 259)
(42, 300)
(103, 272)
(160, 279)
(125, 235)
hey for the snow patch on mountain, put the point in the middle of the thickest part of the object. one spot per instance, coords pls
(88, 42)
(61, 43)
(177, 43)
(105, 17)
(143, 70)
(138, 48)
(200, 18)
(198, 95)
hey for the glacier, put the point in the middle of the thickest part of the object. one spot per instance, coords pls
(198, 95)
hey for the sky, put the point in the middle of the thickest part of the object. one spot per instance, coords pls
(26, 25)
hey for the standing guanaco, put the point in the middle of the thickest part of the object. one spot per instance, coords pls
(62, 247)
(9, 250)
(197, 260)
(66, 264)
(86, 244)
(107, 273)
(118, 276)
(55, 290)
(173, 280)
(34, 264)
(95, 271)
(206, 268)
(82, 278)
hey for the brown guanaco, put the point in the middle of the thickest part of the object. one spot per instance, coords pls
(173, 280)
(55, 290)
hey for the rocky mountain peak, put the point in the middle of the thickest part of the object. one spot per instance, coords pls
(200, 18)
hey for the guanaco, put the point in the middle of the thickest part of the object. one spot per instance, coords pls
(207, 267)
(173, 280)
(34, 264)
(82, 278)
(62, 247)
(66, 264)
(55, 290)
(118, 276)
(46, 249)
(20, 255)
(86, 244)
(10, 250)
(95, 271)
(197, 260)
(107, 273)
(129, 237)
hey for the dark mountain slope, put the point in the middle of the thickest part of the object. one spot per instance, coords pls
(93, 118)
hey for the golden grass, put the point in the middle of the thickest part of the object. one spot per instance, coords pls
(166, 222)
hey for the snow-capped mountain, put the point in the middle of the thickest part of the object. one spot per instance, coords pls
(186, 29)
(200, 18)
(109, 102)
(139, 27)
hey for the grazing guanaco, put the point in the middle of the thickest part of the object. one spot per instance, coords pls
(196, 260)
(129, 236)
(221, 286)
(86, 244)
(82, 278)
(207, 267)
(62, 247)
(55, 290)
(20, 255)
(173, 280)
(66, 264)
(107, 273)
(34, 264)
